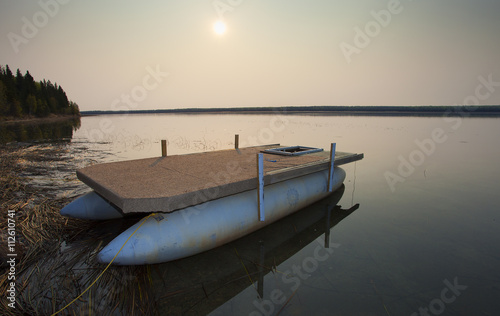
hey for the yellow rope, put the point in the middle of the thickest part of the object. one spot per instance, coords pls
(98, 277)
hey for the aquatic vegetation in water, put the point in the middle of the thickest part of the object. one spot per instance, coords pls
(55, 256)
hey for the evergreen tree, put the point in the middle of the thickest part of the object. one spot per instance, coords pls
(22, 93)
(4, 107)
(15, 109)
(9, 84)
(31, 104)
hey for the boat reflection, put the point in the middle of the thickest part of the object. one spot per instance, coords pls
(201, 283)
(195, 285)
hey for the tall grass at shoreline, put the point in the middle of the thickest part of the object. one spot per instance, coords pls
(56, 255)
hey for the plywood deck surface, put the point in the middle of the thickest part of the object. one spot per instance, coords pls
(164, 184)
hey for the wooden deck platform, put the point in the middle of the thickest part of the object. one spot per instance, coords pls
(165, 184)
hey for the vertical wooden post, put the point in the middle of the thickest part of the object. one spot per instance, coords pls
(260, 186)
(332, 162)
(236, 141)
(163, 148)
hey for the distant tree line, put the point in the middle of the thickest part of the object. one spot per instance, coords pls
(22, 96)
(426, 110)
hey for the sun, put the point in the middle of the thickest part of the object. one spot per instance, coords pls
(220, 27)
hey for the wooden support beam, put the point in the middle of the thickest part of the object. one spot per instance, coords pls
(332, 162)
(163, 148)
(260, 186)
(236, 141)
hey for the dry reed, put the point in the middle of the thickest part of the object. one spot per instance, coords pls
(55, 255)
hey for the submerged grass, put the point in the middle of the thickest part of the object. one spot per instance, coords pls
(56, 256)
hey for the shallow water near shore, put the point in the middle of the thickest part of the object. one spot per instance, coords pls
(415, 228)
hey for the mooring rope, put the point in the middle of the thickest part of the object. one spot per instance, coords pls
(99, 276)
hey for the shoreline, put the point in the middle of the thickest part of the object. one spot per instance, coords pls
(314, 113)
(423, 111)
(50, 248)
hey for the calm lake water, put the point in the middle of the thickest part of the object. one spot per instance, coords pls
(415, 230)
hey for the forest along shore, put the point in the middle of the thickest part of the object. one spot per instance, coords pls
(23, 97)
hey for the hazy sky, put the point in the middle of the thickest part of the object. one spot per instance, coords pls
(165, 54)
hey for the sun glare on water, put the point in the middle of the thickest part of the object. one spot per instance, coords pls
(220, 27)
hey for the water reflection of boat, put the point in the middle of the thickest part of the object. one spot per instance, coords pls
(199, 284)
